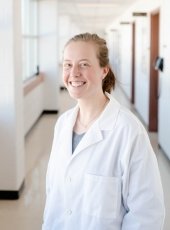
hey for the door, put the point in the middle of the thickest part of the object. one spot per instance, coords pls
(154, 53)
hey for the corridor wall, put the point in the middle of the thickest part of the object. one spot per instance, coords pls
(67, 29)
(12, 158)
(142, 63)
(121, 44)
(164, 80)
(33, 106)
(142, 67)
(49, 52)
(125, 36)
(45, 96)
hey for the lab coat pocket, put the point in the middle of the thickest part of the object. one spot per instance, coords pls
(102, 196)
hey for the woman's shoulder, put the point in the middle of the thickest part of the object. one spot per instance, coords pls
(127, 119)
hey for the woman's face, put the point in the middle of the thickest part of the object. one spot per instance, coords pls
(82, 74)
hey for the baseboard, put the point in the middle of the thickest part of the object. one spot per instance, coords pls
(63, 88)
(165, 154)
(10, 194)
(50, 112)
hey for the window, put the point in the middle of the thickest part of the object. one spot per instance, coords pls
(30, 38)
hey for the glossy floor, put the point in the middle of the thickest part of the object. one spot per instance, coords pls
(27, 212)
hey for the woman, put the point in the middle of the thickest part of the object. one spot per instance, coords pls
(102, 173)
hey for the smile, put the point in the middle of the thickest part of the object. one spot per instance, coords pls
(77, 83)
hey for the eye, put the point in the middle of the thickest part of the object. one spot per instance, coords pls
(67, 66)
(84, 65)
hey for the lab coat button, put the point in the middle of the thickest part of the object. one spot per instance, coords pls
(69, 212)
(69, 179)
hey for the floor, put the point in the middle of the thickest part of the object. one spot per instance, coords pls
(27, 212)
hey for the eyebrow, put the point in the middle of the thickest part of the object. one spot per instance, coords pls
(84, 59)
(66, 60)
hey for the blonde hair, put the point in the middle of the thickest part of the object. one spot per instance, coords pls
(102, 54)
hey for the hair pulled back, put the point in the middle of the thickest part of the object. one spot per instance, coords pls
(102, 54)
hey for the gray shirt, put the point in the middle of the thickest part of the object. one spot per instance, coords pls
(76, 139)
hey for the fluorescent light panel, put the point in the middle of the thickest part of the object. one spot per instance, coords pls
(99, 5)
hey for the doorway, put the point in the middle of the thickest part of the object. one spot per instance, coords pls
(153, 89)
(133, 64)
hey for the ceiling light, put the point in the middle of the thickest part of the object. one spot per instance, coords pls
(97, 5)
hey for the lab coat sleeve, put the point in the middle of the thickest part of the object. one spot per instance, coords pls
(144, 195)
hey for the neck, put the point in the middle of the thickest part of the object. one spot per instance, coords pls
(89, 112)
(89, 106)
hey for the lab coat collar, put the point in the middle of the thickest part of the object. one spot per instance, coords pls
(106, 121)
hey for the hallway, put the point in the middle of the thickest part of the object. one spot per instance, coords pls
(26, 213)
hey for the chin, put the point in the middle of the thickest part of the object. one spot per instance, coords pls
(76, 97)
(73, 94)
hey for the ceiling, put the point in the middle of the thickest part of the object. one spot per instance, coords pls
(93, 15)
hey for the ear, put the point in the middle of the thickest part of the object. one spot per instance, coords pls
(105, 71)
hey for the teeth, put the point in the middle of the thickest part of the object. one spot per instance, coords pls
(77, 83)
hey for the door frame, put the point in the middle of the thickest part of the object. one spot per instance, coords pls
(133, 62)
(153, 81)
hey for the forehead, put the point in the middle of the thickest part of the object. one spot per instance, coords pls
(80, 50)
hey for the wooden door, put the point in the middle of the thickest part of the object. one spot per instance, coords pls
(154, 53)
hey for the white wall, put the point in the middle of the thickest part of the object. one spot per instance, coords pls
(113, 43)
(33, 106)
(142, 67)
(126, 58)
(45, 95)
(122, 61)
(12, 166)
(142, 55)
(64, 33)
(164, 79)
(49, 51)
(67, 29)
(143, 63)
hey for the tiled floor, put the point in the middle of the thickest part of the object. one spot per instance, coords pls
(26, 213)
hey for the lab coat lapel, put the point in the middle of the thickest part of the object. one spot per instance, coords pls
(93, 136)
(106, 122)
(68, 131)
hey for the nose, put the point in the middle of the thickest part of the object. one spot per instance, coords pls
(75, 71)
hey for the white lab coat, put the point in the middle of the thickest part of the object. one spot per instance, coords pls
(110, 182)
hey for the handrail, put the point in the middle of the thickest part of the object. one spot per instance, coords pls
(32, 83)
